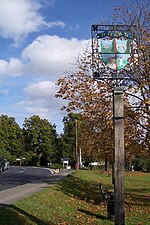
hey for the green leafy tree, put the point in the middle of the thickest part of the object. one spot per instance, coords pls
(11, 138)
(55, 156)
(68, 138)
(40, 137)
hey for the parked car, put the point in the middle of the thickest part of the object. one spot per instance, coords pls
(6, 164)
(2, 164)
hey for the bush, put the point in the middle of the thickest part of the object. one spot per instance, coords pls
(55, 166)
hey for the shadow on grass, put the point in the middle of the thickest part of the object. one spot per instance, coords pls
(135, 199)
(85, 190)
(98, 216)
(82, 189)
(90, 192)
(137, 190)
(10, 214)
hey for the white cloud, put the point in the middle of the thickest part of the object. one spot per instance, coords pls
(3, 67)
(56, 23)
(41, 90)
(52, 55)
(28, 108)
(40, 100)
(42, 94)
(21, 17)
(12, 68)
(47, 56)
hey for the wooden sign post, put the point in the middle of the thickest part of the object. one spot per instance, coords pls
(113, 42)
(119, 205)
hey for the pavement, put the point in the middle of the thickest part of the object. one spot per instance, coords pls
(12, 195)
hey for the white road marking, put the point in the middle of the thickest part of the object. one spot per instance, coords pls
(22, 171)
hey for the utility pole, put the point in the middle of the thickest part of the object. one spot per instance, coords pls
(80, 157)
(119, 204)
(77, 155)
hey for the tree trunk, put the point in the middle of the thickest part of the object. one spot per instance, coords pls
(106, 164)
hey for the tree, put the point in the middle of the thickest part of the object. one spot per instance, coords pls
(11, 139)
(94, 99)
(40, 138)
(68, 138)
(94, 102)
(95, 145)
(136, 14)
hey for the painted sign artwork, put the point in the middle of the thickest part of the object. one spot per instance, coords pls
(115, 51)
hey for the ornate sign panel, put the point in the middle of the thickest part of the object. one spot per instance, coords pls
(115, 52)
(111, 50)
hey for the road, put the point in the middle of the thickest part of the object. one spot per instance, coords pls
(16, 176)
(20, 182)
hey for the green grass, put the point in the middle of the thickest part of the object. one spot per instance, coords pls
(76, 201)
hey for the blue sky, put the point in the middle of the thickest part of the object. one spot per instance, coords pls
(39, 40)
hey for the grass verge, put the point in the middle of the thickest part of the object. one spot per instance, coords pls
(76, 201)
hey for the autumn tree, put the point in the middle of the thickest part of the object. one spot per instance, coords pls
(94, 102)
(89, 141)
(93, 98)
(136, 14)
(95, 145)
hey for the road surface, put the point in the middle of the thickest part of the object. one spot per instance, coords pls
(20, 182)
